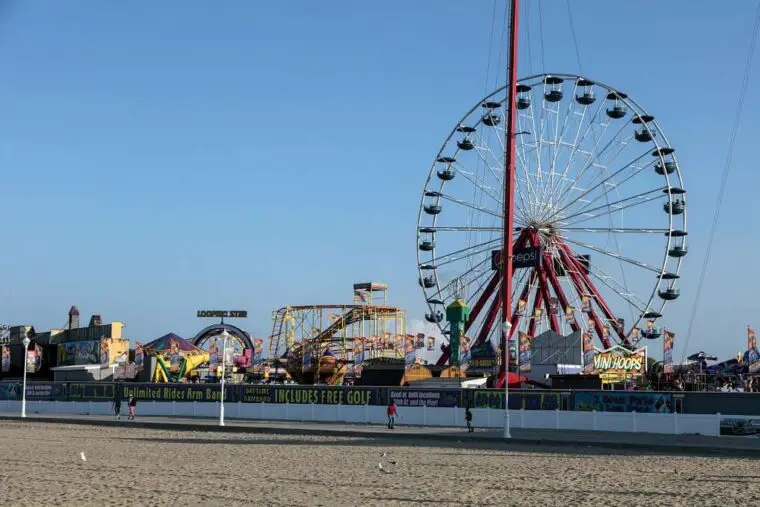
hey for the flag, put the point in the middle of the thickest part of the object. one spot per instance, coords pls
(650, 326)
(524, 352)
(258, 351)
(6, 362)
(521, 307)
(553, 306)
(538, 312)
(585, 304)
(358, 354)
(360, 295)
(667, 351)
(588, 352)
(570, 315)
(306, 360)
(752, 352)
(410, 355)
(464, 355)
(431, 342)
(332, 317)
(633, 336)
(420, 341)
(621, 324)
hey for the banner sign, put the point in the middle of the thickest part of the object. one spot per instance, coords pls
(420, 398)
(31, 361)
(420, 344)
(5, 334)
(588, 352)
(104, 355)
(410, 354)
(667, 351)
(6, 359)
(139, 357)
(78, 353)
(494, 398)
(431, 342)
(524, 352)
(483, 357)
(622, 402)
(528, 257)
(258, 351)
(753, 355)
(306, 360)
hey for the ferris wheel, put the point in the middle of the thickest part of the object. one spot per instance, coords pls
(600, 215)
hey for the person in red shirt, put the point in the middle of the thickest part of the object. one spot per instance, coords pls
(391, 415)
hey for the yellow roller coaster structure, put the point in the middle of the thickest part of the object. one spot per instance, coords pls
(336, 338)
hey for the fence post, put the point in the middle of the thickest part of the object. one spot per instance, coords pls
(556, 418)
(675, 423)
(89, 407)
(593, 419)
(424, 415)
(73, 407)
(717, 421)
(366, 413)
(633, 421)
(312, 412)
(287, 411)
(154, 407)
(261, 411)
(174, 408)
(194, 408)
(340, 412)
(239, 406)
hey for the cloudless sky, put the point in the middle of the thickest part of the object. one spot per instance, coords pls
(162, 157)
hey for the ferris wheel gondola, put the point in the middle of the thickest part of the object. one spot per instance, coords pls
(600, 214)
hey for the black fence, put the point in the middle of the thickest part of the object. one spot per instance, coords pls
(606, 401)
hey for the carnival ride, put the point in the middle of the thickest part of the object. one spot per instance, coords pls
(175, 357)
(324, 343)
(577, 184)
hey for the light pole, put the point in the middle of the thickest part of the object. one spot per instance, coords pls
(225, 335)
(505, 329)
(26, 341)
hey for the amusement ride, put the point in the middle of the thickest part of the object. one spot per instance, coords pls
(577, 184)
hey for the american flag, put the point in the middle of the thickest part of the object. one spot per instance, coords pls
(360, 295)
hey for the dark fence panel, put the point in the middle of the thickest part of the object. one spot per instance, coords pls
(603, 401)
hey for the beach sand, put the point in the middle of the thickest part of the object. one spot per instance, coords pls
(133, 466)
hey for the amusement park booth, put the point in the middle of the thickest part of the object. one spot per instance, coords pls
(88, 353)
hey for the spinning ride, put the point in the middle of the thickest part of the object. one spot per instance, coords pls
(599, 222)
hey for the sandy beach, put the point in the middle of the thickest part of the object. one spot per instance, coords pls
(133, 466)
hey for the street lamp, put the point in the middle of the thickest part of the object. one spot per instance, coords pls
(26, 341)
(225, 335)
(505, 329)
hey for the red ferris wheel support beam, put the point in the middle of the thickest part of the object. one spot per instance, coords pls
(544, 287)
(554, 280)
(568, 258)
(539, 299)
(594, 292)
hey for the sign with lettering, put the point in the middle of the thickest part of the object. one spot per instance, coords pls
(618, 362)
(223, 314)
(529, 257)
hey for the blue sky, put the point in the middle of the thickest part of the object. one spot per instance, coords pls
(161, 157)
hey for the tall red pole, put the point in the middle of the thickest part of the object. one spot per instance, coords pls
(509, 185)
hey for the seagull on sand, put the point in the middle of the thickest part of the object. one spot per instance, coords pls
(81, 455)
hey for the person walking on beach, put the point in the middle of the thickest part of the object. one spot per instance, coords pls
(117, 404)
(392, 415)
(132, 405)
(468, 419)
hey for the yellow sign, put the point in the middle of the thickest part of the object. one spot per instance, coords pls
(618, 362)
